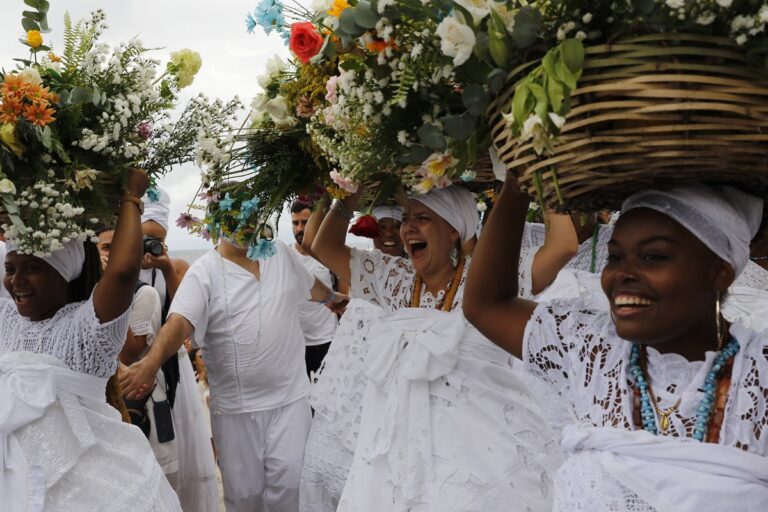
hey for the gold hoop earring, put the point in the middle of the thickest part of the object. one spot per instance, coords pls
(719, 322)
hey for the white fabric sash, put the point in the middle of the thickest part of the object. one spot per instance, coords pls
(673, 475)
(411, 348)
(27, 389)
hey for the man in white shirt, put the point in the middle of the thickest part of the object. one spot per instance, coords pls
(243, 316)
(317, 322)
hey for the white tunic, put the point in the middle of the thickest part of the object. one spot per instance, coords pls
(580, 373)
(318, 323)
(248, 329)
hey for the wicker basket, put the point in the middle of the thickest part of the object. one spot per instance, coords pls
(652, 111)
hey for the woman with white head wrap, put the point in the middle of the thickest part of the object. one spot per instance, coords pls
(59, 339)
(431, 432)
(661, 401)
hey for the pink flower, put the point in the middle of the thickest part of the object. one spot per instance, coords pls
(145, 130)
(304, 107)
(210, 196)
(330, 86)
(205, 234)
(344, 183)
(186, 221)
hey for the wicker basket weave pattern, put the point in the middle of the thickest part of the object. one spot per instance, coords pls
(651, 111)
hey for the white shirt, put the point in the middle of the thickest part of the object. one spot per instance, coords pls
(3, 292)
(248, 329)
(317, 321)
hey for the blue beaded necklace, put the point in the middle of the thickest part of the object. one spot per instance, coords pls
(648, 409)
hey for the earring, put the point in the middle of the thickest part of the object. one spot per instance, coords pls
(719, 322)
(454, 256)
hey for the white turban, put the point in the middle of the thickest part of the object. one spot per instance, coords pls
(67, 261)
(723, 218)
(158, 210)
(388, 212)
(456, 206)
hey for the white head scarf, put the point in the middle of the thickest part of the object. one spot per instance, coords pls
(388, 212)
(67, 261)
(723, 218)
(157, 211)
(456, 206)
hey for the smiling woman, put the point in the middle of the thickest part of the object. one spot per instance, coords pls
(662, 362)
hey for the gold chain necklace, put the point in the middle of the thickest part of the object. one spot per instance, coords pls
(446, 304)
(662, 415)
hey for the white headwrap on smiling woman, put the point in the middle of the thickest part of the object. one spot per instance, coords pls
(67, 261)
(456, 206)
(723, 218)
(158, 210)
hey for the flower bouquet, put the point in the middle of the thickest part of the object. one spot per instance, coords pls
(72, 123)
(605, 98)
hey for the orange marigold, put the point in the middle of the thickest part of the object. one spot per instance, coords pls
(38, 94)
(39, 114)
(13, 85)
(10, 110)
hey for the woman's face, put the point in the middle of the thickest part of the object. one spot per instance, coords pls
(38, 290)
(389, 241)
(662, 282)
(428, 238)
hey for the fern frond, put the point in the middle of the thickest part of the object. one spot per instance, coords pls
(70, 40)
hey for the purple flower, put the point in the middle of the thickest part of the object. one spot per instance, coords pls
(210, 196)
(205, 234)
(186, 221)
(145, 130)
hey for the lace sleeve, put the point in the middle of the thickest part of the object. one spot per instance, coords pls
(383, 280)
(753, 276)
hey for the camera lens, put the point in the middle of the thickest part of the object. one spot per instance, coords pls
(153, 246)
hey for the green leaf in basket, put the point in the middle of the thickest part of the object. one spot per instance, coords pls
(522, 103)
(564, 74)
(548, 63)
(572, 54)
(432, 136)
(556, 94)
(416, 155)
(538, 92)
(527, 27)
(348, 25)
(475, 99)
(459, 127)
(496, 79)
(365, 15)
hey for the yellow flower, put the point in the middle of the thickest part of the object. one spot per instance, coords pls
(337, 192)
(425, 185)
(184, 66)
(338, 7)
(34, 38)
(8, 137)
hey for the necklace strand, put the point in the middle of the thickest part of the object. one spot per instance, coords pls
(446, 304)
(649, 405)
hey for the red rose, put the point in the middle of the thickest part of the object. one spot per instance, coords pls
(366, 226)
(305, 42)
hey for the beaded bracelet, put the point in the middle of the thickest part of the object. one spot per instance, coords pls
(339, 208)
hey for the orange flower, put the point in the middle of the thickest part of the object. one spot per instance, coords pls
(38, 94)
(376, 46)
(10, 110)
(13, 85)
(338, 7)
(53, 57)
(39, 114)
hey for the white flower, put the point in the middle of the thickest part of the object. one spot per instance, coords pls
(675, 4)
(481, 206)
(7, 186)
(284, 124)
(557, 120)
(581, 35)
(259, 102)
(275, 66)
(762, 14)
(724, 3)
(456, 40)
(479, 9)
(30, 75)
(706, 18)
(587, 18)
(320, 5)
(740, 40)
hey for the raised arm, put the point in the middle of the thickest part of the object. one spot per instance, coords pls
(314, 223)
(560, 245)
(329, 245)
(114, 293)
(491, 301)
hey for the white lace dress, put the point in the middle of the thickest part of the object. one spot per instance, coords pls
(447, 423)
(80, 450)
(579, 371)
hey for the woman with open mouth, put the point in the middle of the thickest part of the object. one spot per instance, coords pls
(439, 398)
(63, 448)
(661, 402)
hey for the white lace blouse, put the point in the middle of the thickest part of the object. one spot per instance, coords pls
(73, 335)
(583, 368)
(387, 281)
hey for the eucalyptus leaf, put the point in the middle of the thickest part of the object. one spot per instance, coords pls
(527, 27)
(43, 6)
(96, 97)
(80, 95)
(32, 15)
(347, 22)
(416, 155)
(432, 137)
(459, 127)
(46, 137)
(28, 24)
(475, 99)
(365, 16)
(496, 80)
(35, 4)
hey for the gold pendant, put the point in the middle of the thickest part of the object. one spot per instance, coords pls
(664, 423)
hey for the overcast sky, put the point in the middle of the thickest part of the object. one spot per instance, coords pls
(232, 59)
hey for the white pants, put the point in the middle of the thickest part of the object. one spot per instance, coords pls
(261, 455)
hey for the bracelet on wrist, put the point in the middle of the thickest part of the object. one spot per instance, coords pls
(135, 200)
(342, 210)
(329, 299)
